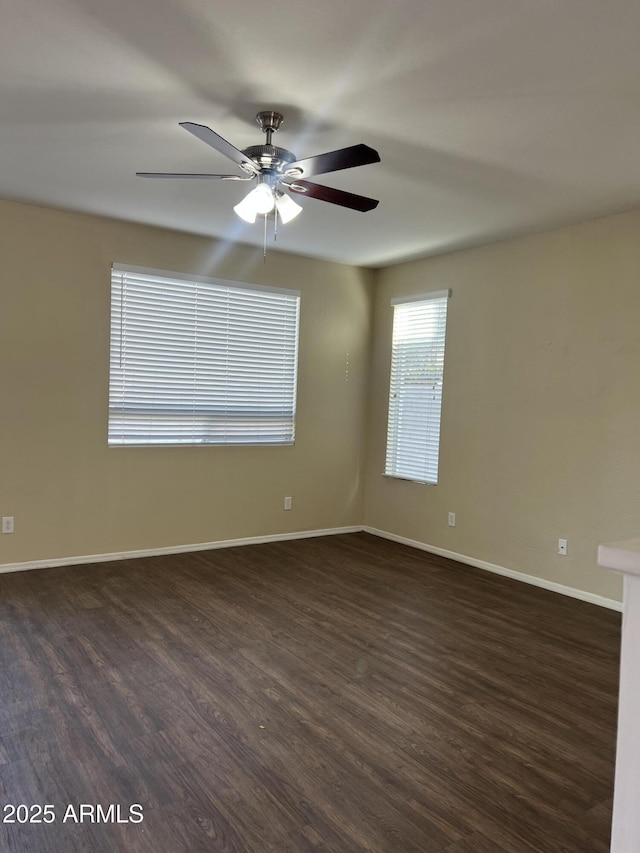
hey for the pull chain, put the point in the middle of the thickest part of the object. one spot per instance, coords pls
(264, 255)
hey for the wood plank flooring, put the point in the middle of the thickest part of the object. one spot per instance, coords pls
(333, 695)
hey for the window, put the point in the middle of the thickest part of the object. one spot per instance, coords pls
(200, 361)
(415, 396)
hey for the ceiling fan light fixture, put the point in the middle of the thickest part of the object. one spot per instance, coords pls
(288, 209)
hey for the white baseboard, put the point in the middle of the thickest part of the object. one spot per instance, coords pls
(580, 594)
(173, 549)
(610, 603)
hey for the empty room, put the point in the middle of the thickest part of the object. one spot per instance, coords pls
(320, 494)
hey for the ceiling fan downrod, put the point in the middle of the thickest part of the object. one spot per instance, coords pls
(270, 122)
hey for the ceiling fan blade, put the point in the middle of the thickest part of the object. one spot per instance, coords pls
(333, 196)
(215, 141)
(333, 161)
(193, 175)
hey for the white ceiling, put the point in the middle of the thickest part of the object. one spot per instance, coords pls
(492, 117)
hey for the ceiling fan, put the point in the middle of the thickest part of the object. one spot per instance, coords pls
(276, 169)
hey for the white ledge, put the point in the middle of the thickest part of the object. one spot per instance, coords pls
(621, 556)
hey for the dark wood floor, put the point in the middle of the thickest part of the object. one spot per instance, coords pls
(342, 694)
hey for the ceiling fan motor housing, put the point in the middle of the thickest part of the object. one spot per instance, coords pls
(269, 158)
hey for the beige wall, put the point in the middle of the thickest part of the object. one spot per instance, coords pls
(541, 418)
(541, 414)
(72, 495)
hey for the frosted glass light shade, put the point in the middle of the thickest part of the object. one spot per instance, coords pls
(263, 199)
(287, 208)
(246, 209)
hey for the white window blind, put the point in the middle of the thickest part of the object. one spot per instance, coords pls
(200, 361)
(415, 396)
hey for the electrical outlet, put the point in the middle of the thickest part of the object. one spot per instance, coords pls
(452, 519)
(562, 547)
(287, 503)
(7, 524)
